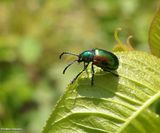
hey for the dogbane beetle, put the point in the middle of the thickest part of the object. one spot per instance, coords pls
(99, 57)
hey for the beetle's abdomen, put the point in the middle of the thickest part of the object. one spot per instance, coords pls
(106, 60)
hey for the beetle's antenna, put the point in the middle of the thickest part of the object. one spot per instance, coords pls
(68, 66)
(67, 53)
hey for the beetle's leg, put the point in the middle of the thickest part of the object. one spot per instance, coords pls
(115, 74)
(68, 66)
(92, 78)
(80, 73)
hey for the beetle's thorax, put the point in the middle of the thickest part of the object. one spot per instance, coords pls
(86, 56)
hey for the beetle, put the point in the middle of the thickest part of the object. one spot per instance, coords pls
(99, 57)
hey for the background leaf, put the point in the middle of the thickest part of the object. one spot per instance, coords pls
(112, 104)
(154, 35)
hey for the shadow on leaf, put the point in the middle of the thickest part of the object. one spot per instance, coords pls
(105, 86)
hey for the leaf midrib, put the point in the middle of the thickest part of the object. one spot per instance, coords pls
(134, 115)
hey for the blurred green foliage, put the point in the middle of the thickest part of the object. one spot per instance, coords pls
(34, 32)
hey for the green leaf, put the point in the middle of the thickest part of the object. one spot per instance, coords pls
(154, 35)
(113, 104)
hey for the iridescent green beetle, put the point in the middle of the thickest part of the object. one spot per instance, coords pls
(99, 57)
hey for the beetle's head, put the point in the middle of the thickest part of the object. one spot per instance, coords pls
(86, 56)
